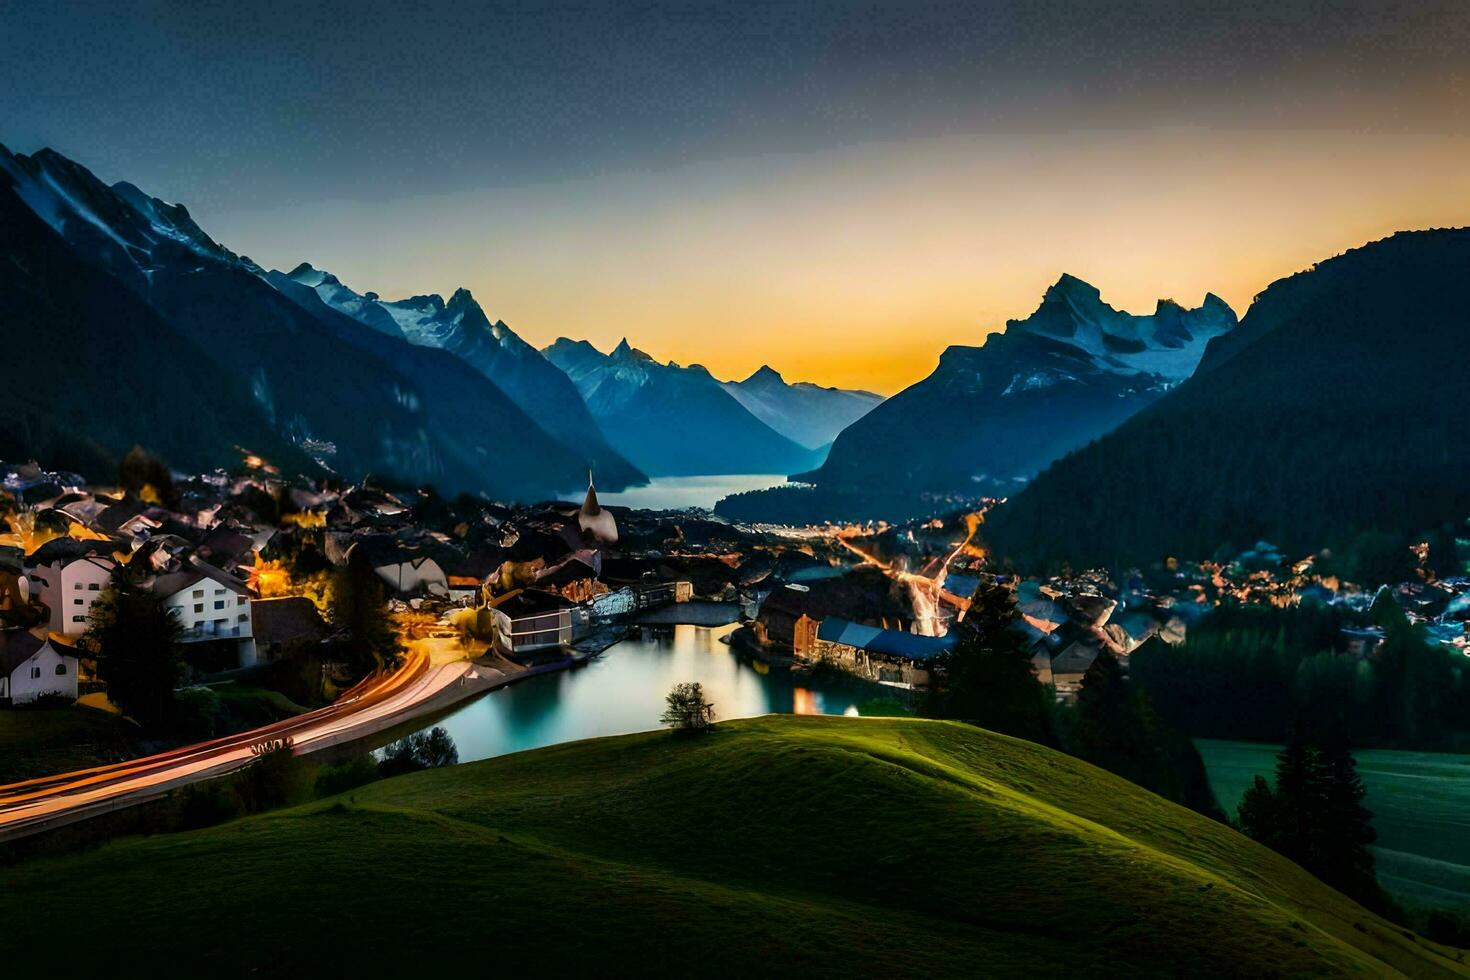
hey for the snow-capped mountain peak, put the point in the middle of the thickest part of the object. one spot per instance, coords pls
(1167, 343)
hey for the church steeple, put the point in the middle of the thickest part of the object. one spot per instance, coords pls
(596, 523)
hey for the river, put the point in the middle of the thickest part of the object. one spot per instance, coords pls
(685, 492)
(623, 691)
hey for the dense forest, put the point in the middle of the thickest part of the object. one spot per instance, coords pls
(1325, 418)
(1266, 674)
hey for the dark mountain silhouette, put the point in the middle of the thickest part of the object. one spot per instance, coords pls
(1331, 412)
(357, 400)
(989, 418)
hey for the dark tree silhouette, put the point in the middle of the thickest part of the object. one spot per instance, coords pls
(358, 606)
(138, 655)
(687, 710)
(986, 679)
(1315, 816)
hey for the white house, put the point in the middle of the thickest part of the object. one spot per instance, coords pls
(68, 575)
(528, 620)
(210, 605)
(33, 666)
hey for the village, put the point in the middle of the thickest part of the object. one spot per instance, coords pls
(243, 562)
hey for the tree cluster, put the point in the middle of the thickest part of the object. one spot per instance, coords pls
(986, 678)
(1259, 673)
(1115, 727)
(1314, 815)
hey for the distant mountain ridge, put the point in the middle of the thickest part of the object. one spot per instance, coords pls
(672, 420)
(990, 417)
(805, 413)
(461, 327)
(1327, 415)
(270, 373)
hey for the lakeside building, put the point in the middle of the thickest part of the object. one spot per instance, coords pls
(530, 620)
(885, 656)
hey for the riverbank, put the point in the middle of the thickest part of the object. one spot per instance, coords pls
(697, 613)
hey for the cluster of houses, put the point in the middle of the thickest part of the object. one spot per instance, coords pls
(61, 546)
(226, 556)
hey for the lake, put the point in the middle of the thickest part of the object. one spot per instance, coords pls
(1421, 810)
(622, 691)
(684, 492)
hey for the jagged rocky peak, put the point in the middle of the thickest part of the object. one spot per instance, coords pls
(765, 375)
(428, 302)
(120, 220)
(462, 302)
(309, 275)
(1168, 342)
(627, 352)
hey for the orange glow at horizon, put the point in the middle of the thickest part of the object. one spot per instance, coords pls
(857, 267)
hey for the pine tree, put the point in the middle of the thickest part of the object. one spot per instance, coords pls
(986, 679)
(358, 606)
(138, 655)
(1345, 828)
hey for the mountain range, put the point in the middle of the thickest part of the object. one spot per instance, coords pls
(805, 413)
(1329, 415)
(672, 420)
(461, 327)
(220, 357)
(990, 417)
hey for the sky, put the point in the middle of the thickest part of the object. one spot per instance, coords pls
(838, 190)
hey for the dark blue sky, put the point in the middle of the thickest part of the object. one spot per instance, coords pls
(838, 189)
(230, 102)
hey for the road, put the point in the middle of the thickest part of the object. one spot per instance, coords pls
(926, 585)
(376, 704)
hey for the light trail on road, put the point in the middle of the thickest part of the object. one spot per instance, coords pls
(374, 704)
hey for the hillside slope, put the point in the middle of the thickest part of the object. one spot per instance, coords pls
(83, 355)
(1329, 412)
(797, 846)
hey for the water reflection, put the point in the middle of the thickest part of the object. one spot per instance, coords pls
(623, 691)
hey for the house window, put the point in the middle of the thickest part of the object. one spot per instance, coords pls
(79, 619)
(243, 617)
(94, 587)
(219, 603)
(198, 594)
(60, 669)
(35, 672)
(219, 591)
(199, 607)
(77, 586)
(242, 600)
(77, 602)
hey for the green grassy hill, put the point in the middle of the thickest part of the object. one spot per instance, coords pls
(796, 846)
